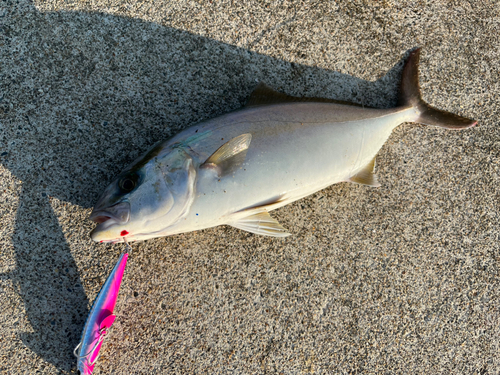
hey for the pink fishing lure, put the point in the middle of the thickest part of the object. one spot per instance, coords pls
(100, 319)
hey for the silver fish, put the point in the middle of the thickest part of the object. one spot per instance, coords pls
(235, 168)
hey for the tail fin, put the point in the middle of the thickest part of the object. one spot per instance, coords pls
(410, 97)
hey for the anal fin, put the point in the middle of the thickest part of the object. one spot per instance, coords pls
(366, 176)
(261, 223)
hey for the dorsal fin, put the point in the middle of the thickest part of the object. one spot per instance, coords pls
(265, 95)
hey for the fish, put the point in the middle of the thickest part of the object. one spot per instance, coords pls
(236, 168)
(100, 319)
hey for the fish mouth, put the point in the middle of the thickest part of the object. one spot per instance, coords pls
(100, 218)
(118, 214)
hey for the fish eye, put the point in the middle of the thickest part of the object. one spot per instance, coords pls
(128, 183)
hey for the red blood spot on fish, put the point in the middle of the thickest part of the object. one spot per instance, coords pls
(123, 233)
(102, 241)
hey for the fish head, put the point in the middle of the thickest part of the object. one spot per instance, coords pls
(146, 198)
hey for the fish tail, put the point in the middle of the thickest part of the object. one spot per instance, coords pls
(410, 97)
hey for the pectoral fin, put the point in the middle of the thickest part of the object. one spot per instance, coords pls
(229, 156)
(261, 223)
(366, 176)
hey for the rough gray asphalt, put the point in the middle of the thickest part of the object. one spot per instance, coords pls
(395, 280)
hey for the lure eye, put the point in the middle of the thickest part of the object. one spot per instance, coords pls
(128, 183)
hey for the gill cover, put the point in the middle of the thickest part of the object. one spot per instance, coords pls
(179, 176)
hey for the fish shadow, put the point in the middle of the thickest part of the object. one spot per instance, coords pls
(84, 95)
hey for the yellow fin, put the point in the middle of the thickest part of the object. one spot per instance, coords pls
(366, 176)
